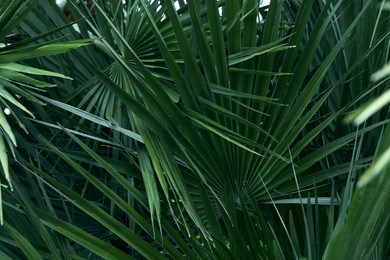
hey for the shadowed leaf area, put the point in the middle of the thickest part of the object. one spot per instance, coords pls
(147, 129)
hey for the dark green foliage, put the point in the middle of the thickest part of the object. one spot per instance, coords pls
(211, 130)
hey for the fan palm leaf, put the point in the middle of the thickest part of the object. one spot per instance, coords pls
(192, 129)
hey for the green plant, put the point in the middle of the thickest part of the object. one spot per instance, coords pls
(207, 129)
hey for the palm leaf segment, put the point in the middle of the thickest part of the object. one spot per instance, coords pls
(17, 81)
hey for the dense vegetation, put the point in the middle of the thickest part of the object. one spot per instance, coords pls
(200, 130)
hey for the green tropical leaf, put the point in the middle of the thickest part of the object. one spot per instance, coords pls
(194, 129)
